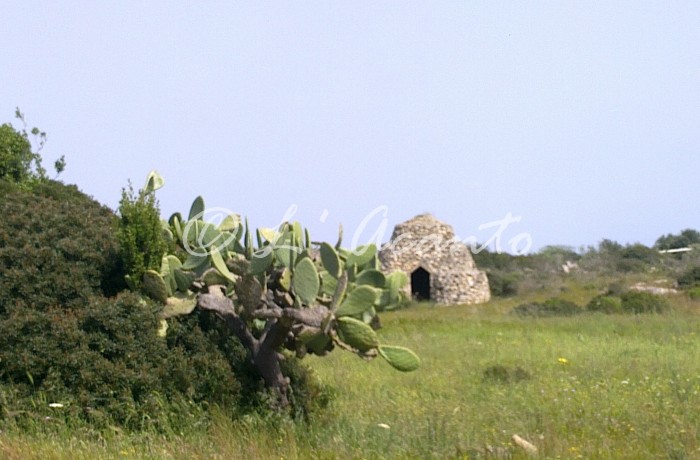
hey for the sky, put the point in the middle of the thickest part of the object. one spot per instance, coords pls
(571, 121)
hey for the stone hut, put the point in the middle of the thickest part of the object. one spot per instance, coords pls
(440, 268)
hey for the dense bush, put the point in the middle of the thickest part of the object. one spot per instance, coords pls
(106, 364)
(16, 155)
(694, 293)
(612, 257)
(62, 341)
(551, 307)
(690, 277)
(683, 240)
(637, 258)
(634, 302)
(628, 302)
(643, 302)
(503, 284)
(616, 288)
(213, 355)
(605, 304)
(103, 362)
(140, 233)
(19, 163)
(57, 247)
(486, 259)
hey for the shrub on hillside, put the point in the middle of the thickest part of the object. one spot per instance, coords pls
(57, 247)
(643, 302)
(690, 277)
(605, 304)
(616, 288)
(486, 259)
(502, 284)
(641, 253)
(682, 240)
(551, 307)
(636, 258)
(16, 155)
(19, 163)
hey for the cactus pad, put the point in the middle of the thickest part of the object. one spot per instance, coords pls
(357, 334)
(154, 286)
(183, 279)
(217, 261)
(179, 305)
(305, 281)
(362, 255)
(400, 358)
(260, 261)
(197, 209)
(359, 300)
(371, 278)
(330, 260)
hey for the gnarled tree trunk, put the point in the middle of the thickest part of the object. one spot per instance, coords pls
(265, 351)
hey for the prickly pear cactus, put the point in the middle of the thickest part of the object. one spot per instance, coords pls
(284, 292)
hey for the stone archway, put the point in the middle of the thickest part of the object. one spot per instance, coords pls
(420, 284)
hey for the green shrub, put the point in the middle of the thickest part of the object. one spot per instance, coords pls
(140, 234)
(503, 284)
(107, 364)
(308, 395)
(19, 163)
(561, 307)
(551, 307)
(16, 155)
(637, 258)
(57, 247)
(103, 360)
(605, 304)
(616, 288)
(499, 373)
(641, 253)
(694, 293)
(690, 278)
(643, 302)
(528, 309)
(211, 351)
(682, 240)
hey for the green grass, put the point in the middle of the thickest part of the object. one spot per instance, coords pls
(599, 387)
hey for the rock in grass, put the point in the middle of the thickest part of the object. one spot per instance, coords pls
(527, 446)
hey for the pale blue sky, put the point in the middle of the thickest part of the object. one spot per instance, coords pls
(581, 117)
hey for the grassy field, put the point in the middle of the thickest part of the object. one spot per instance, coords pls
(591, 386)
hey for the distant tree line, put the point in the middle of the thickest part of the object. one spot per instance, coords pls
(514, 274)
(684, 239)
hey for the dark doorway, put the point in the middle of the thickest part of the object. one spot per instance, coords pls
(420, 284)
